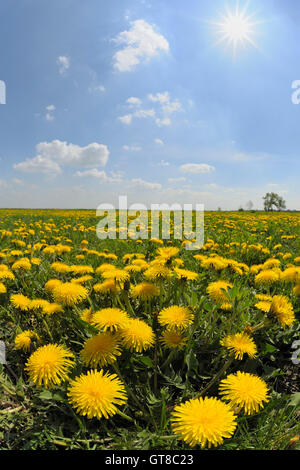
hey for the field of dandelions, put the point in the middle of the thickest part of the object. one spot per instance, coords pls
(124, 344)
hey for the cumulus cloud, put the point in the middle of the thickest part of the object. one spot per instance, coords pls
(97, 89)
(127, 119)
(134, 101)
(163, 121)
(50, 112)
(52, 155)
(196, 168)
(159, 141)
(141, 42)
(99, 174)
(145, 184)
(132, 148)
(63, 63)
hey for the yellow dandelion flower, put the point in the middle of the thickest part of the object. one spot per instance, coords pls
(215, 263)
(185, 275)
(87, 315)
(23, 340)
(173, 339)
(95, 394)
(60, 267)
(82, 279)
(100, 350)
(49, 365)
(22, 263)
(282, 309)
(203, 421)
(68, 293)
(157, 272)
(110, 319)
(296, 290)
(118, 275)
(137, 335)
(6, 274)
(175, 317)
(145, 291)
(51, 284)
(291, 274)
(244, 391)
(104, 267)
(2, 288)
(264, 297)
(37, 304)
(240, 344)
(263, 305)
(167, 252)
(107, 287)
(217, 291)
(20, 301)
(266, 277)
(51, 308)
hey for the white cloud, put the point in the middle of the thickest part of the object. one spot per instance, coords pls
(176, 180)
(159, 141)
(38, 164)
(145, 184)
(163, 121)
(134, 101)
(144, 113)
(50, 112)
(160, 97)
(50, 155)
(141, 42)
(100, 174)
(196, 168)
(63, 63)
(132, 148)
(127, 119)
(97, 89)
(163, 163)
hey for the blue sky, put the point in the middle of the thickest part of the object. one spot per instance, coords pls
(136, 98)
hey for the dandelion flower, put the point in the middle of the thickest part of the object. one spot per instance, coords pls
(217, 291)
(176, 317)
(6, 274)
(23, 340)
(167, 252)
(69, 294)
(86, 315)
(282, 309)
(51, 308)
(240, 344)
(172, 339)
(203, 421)
(2, 288)
(296, 290)
(145, 291)
(266, 277)
(107, 287)
(110, 319)
(185, 275)
(157, 272)
(51, 284)
(245, 391)
(49, 365)
(137, 335)
(118, 275)
(100, 350)
(20, 301)
(95, 394)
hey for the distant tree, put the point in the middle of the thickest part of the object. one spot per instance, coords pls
(272, 200)
(249, 205)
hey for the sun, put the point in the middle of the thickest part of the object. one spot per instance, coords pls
(236, 28)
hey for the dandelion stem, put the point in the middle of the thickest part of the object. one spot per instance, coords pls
(217, 376)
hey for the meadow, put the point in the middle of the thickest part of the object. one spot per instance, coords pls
(142, 344)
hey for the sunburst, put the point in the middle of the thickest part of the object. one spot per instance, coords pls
(237, 28)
